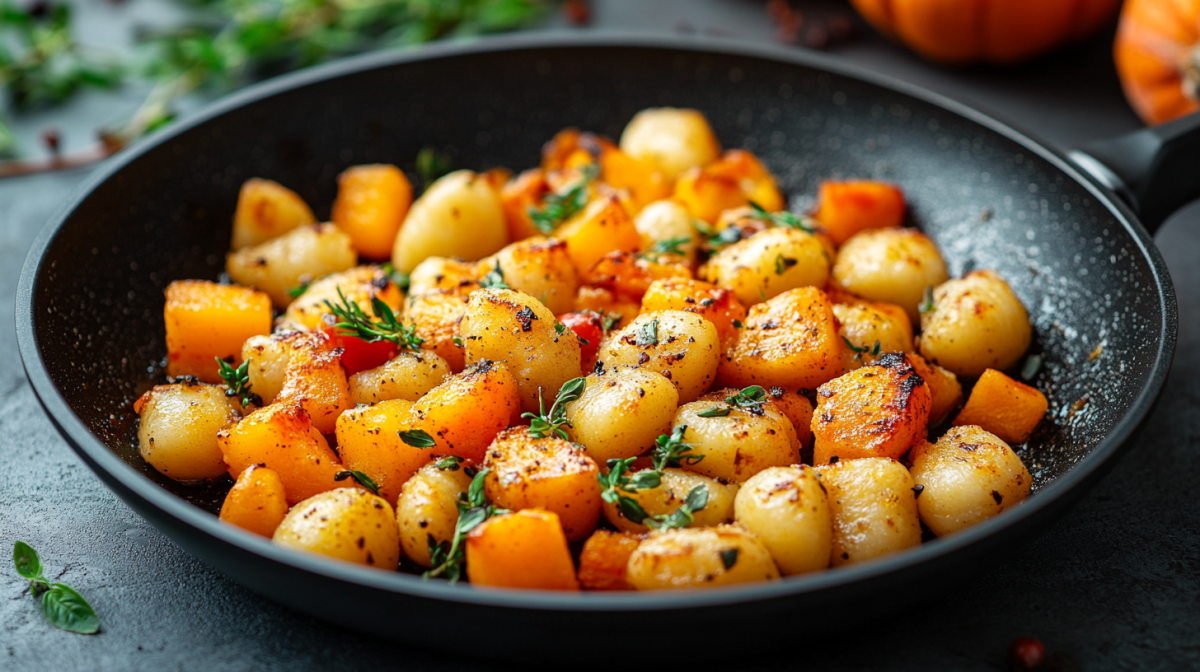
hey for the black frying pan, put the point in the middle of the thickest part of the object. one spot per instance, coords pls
(90, 329)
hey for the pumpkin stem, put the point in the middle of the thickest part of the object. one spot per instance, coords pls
(1190, 70)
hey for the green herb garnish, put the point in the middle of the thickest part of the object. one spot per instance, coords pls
(671, 452)
(449, 558)
(561, 206)
(783, 263)
(927, 302)
(449, 463)
(1033, 364)
(783, 218)
(63, 607)
(431, 165)
(729, 557)
(402, 280)
(494, 279)
(237, 382)
(362, 479)
(715, 412)
(873, 351)
(647, 334)
(298, 291)
(543, 424)
(418, 438)
(669, 246)
(354, 322)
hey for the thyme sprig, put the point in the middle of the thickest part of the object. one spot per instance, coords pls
(361, 478)
(669, 452)
(749, 399)
(873, 351)
(927, 303)
(783, 218)
(670, 246)
(543, 424)
(354, 322)
(561, 206)
(494, 279)
(449, 557)
(237, 382)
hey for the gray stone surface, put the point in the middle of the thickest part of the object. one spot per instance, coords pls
(1114, 585)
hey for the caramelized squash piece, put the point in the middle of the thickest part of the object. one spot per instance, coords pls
(548, 473)
(845, 208)
(789, 341)
(732, 181)
(606, 302)
(604, 559)
(517, 197)
(1005, 407)
(603, 226)
(371, 204)
(370, 440)
(206, 321)
(257, 502)
(880, 410)
(267, 210)
(796, 407)
(465, 413)
(316, 381)
(281, 437)
(719, 306)
(436, 317)
(944, 389)
(631, 275)
(525, 549)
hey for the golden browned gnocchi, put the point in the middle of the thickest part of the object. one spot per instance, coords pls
(631, 348)
(768, 264)
(621, 413)
(874, 508)
(707, 557)
(347, 524)
(974, 324)
(787, 508)
(681, 346)
(178, 431)
(968, 476)
(428, 508)
(890, 265)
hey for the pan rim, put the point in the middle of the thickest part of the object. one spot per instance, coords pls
(108, 465)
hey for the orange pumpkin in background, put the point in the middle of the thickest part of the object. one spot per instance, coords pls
(1158, 57)
(985, 31)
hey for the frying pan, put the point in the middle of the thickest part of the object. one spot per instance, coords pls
(90, 326)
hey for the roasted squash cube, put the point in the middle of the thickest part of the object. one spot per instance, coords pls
(281, 437)
(517, 197)
(603, 226)
(604, 559)
(1005, 407)
(371, 204)
(525, 549)
(845, 208)
(880, 410)
(370, 440)
(206, 321)
(788, 341)
(464, 414)
(257, 502)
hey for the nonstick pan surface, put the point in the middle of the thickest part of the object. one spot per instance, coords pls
(90, 326)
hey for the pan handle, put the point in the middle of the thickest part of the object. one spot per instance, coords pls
(1155, 170)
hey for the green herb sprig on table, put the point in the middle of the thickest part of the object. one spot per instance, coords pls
(63, 607)
(545, 424)
(449, 557)
(237, 382)
(352, 321)
(561, 206)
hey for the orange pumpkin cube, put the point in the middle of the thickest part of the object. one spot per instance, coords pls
(267, 210)
(751, 176)
(370, 207)
(604, 559)
(1003, 406)
(706, 195)
(880, 410)
(316, 381)
(206, 321)
(525, 549)
(369, 440)
(607, 303)
(517, 197)
(465, 413)
(845, 208)
(603, 226)
(257, 502)
(630, 275)
(281, 437)
(556, 152)
(944, 389)
(797, 408)
(715, 304)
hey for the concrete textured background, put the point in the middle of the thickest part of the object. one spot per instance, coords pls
(1114, 585)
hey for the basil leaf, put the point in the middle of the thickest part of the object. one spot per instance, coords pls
(27, 561)
(417, 438)
(67, 610)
